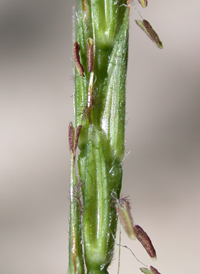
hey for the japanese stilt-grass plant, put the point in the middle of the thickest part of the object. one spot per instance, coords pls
(100, 54)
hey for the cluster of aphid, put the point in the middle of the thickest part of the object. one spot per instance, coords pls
(135, 231)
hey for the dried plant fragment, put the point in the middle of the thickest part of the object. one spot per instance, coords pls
(142, 236)
(78, 130)
(90, 58)
(143, 3)
(124, 213)
(71, 138)
(79, 67)
(147, 28)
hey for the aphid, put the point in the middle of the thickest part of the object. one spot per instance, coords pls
(90, 58)
(71, 137)
(124, 213)
(79, 67)
(147, 28)
(143, 3)
(142, 236)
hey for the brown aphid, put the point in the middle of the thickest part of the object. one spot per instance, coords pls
(71, 137)
(90, 58)
(154, 270)
(142, 236)
(78, 130)
(79, 67)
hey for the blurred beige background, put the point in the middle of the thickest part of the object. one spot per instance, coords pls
(162, 171)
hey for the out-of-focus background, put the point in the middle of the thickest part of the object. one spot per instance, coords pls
(162, 171)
